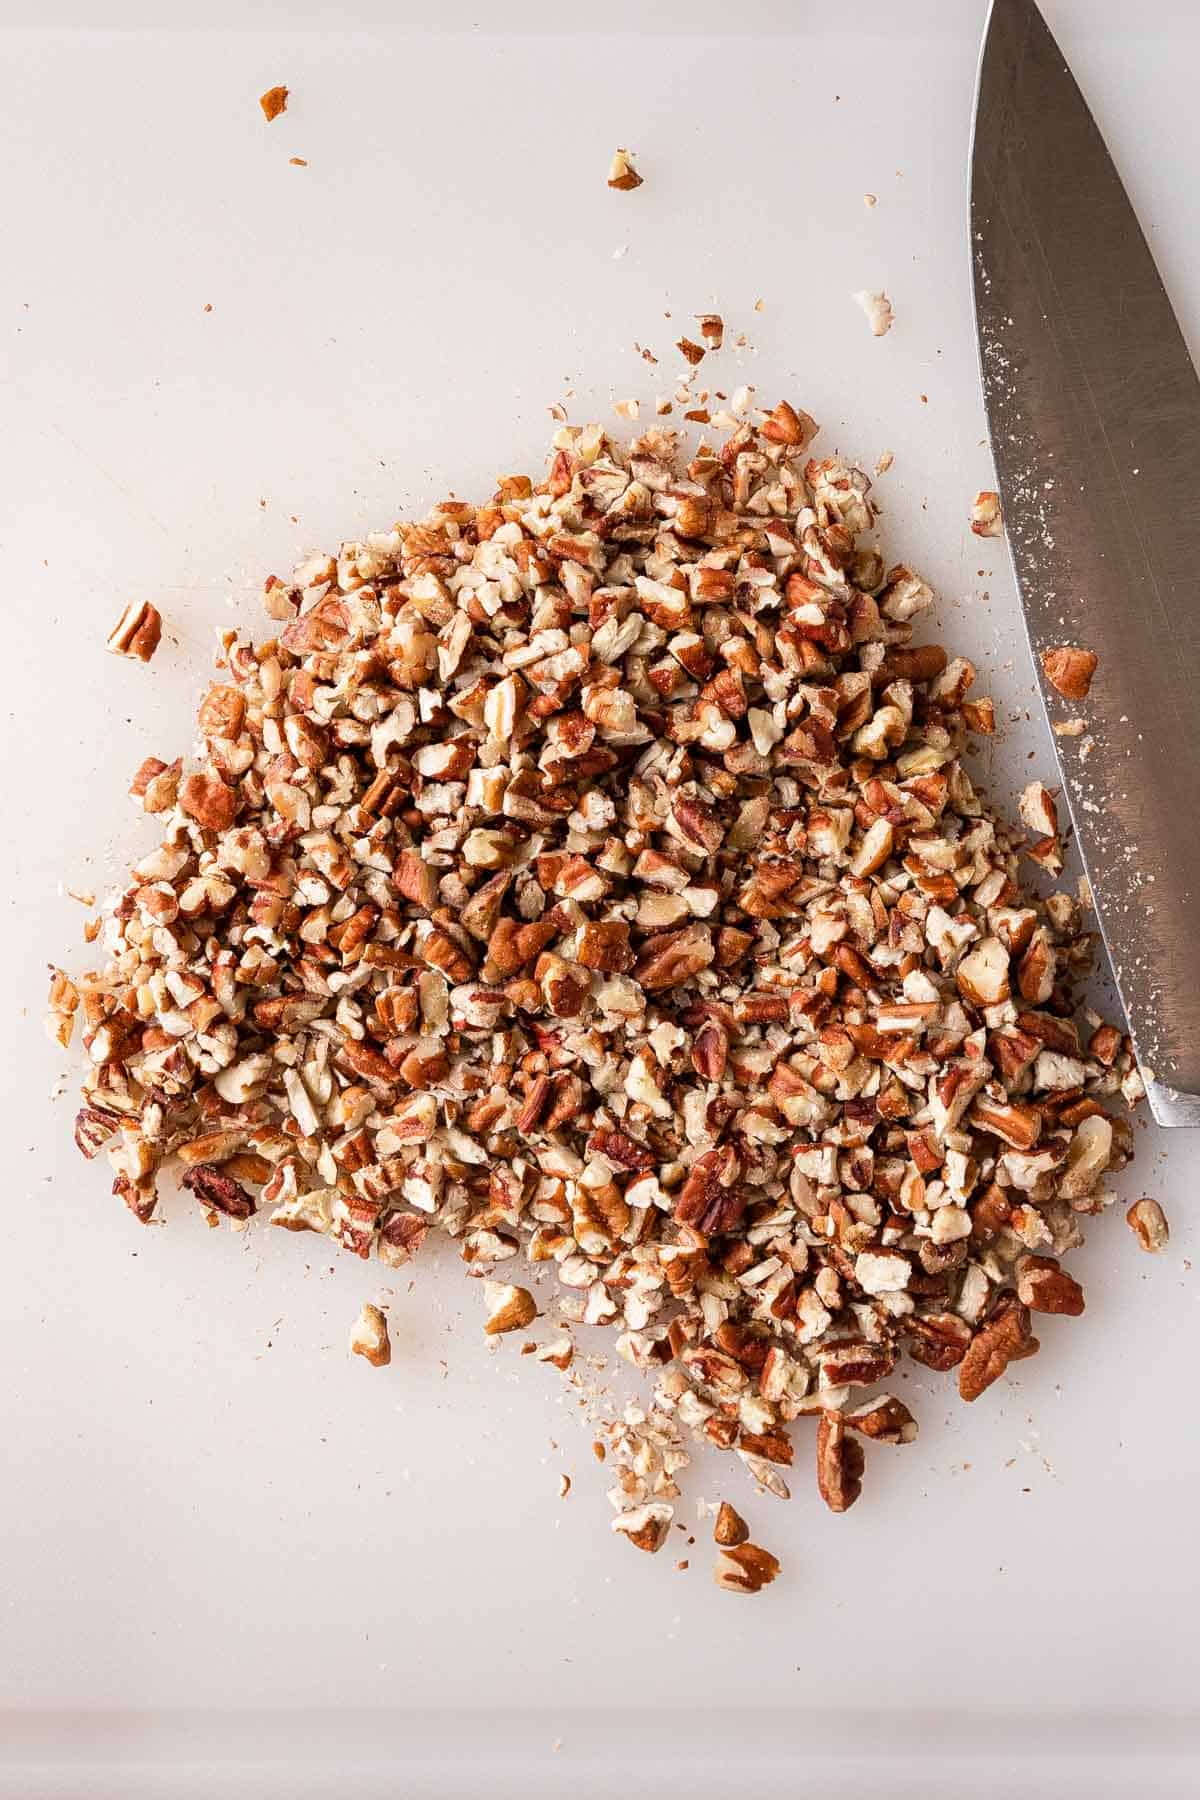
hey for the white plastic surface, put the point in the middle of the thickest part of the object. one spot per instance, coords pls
(234, 1559)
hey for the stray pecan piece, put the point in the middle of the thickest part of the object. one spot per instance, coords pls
(840, 1463)
(745, 1569)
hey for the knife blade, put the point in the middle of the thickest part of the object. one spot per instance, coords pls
(1093, 409)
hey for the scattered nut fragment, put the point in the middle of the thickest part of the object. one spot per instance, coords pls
(137, 631)
(622, 174)
(870, 199)
(273, 102)
(646, 1527)
(1070, 670)
(884, 461)
(627, 409)
(370, 1338)
(1038, 810)
(558, 1350)
(745, 1569)
(1148, 1222)
(712, 329)
(692, 351)
(840, 1463)
(730, 1528)
(986, 518)
(878, 309)
(509, 1308)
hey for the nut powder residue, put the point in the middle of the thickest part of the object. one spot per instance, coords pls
(593, 876)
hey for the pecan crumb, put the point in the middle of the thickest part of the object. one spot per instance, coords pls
(1148, 1222)
(370, 1338)
(878, 309)
(273, 102)
(986, 519)
(621, 172)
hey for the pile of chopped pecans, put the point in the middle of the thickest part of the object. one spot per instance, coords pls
(595, 877)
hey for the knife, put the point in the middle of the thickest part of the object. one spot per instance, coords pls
(1093, 409)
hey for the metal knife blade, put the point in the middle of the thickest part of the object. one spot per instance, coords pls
(1094, 414)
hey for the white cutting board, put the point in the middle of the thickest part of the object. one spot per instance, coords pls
(234, 1559)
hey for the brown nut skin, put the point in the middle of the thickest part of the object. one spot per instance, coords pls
(840, 1463)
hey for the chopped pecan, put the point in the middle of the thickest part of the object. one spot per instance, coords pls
(1004, 1338)
(1148, 1222)
(369, 1337)
(213, 1188)
(1044, 1286)
(745, 1568)
(137, 631)
(840, 1463)
(1070, 670)
(730, 1529)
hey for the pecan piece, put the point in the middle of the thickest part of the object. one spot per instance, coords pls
(369, 1337)
(840, 1463)
(621, 173)
(730, 1528)
(1148, 1223)
(745, 1569)
(1004, 1338)
(674, 957)
(93, 1129)
(509, 1308)
(137, 631)
(273, 102)
(885, 1419)
(208, 800)
(938, 1340)
(213, 1188)
(710, 1199)
(646, 1527)
(1070, 670)
(1044, 1286)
